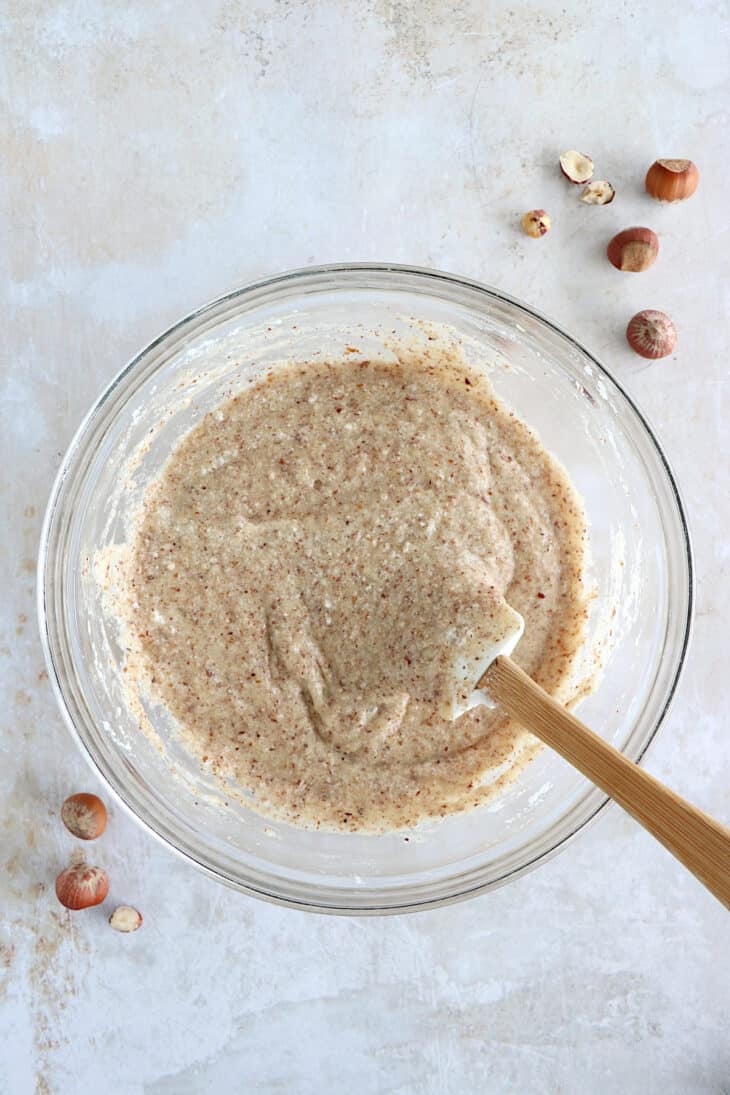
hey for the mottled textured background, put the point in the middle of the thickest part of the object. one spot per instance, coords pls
(156, 154)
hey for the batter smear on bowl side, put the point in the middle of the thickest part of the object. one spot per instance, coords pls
(317, 558)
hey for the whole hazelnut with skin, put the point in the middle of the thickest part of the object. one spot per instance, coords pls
(634, 249)
(672, 180)
(535, 223)
(651, 334)
(81, 886)
(84, 815)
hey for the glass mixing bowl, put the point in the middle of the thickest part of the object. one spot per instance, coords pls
(641, 568)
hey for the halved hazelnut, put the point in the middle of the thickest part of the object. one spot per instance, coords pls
(599, 192)
(672, 180)
(84, 815)
(576, 166)
(651, 334)
(535, 223)
(126, 919)
(81, 886)
(634, 249)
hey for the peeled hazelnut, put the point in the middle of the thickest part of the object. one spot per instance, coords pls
(634, 249)
(81, 886)
(599, 192)
(672, 180)
(84, 815)
(536, 223)
(576, 166)
(125, 919)
(651, 334)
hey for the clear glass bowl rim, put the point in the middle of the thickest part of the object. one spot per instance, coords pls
(320, 278)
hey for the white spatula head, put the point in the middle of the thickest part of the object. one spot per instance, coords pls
(475, 653)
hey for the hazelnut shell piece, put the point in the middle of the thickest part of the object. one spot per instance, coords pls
(599, 192)
(125, 918)
(576, 166)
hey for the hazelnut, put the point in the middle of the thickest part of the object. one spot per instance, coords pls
(81, 886)
(84, 815)
(651, 334)
(576, 166)
(536, 223)
(599, 192)
(634, 249)
(672, 180)
(125, 919)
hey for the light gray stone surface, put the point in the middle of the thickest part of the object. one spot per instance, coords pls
(155, 155)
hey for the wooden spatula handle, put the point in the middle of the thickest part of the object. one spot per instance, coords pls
(699, 842)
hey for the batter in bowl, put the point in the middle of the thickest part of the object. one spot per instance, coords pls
(317, 556)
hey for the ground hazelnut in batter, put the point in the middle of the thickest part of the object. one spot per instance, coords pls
(314, 559)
